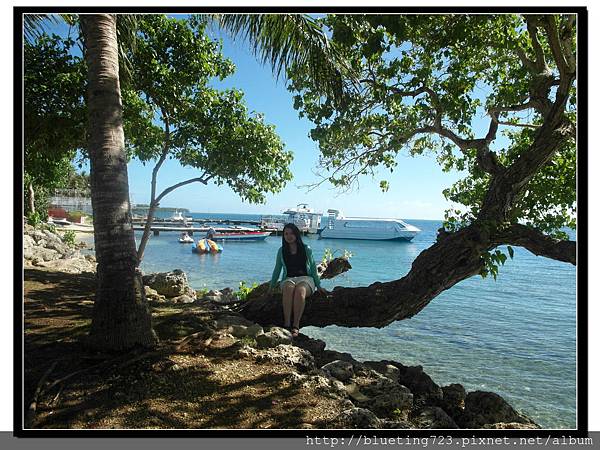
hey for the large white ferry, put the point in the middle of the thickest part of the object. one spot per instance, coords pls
(369, 228)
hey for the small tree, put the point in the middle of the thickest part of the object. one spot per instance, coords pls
(54, 84)
(201, 127)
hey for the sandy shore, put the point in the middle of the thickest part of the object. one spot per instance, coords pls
(83, 233)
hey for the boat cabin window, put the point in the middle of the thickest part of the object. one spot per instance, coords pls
(369, 224)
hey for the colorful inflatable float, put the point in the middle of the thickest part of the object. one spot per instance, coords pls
(207, 246)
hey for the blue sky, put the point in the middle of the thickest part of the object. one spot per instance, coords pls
(415, 185)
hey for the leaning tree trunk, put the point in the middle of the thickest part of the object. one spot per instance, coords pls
(453, 258)
(436, 269)
(121, 317)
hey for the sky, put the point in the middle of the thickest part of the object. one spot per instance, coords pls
(415, 185)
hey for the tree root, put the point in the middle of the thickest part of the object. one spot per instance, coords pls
(30, 415)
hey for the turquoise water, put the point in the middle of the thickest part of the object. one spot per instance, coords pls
(515, 336)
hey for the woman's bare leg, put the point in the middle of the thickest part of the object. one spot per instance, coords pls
(287, 291)
(299, 302)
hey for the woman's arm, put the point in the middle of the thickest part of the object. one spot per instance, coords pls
(277, 269)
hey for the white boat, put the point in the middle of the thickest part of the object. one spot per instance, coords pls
(186, 239)
(367, 228)
(272, 223)
(61, 222)
(178, 217)
(305, 218)
(237, 235)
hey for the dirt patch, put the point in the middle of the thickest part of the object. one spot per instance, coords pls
(200, 385)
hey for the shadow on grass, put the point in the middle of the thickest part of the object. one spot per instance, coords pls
(188, 398)
(149, 393)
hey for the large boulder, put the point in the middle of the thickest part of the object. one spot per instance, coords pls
(76, 265)
(274, 337)
(453, 400)
(43, 245)
(327, 356)
(38, 255)
(342, 370)
(153, 296)
(247, 331)
(288, 355)
(386, 397)
(183, 299)
(28, 242)
(357, 418)
(315, 346)
(433, 417)
(326, 386)
(224, 297)
(424, 389)
(487, 408)
(170, 284)
(384, 368)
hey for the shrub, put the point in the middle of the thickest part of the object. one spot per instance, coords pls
(328, 255)
(69, 238)
(242, 294)
(35, 219)
(200, 293)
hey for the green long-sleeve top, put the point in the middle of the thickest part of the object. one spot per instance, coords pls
(310, 265)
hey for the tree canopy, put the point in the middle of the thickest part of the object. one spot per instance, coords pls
(54, 111)
(491, 95)
(173, 107)
(173, 111)
(427, 83)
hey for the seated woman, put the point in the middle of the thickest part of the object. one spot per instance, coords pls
(300, 278)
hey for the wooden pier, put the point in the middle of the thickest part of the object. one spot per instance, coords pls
(203, 222)
(180, 228)
(195, 225)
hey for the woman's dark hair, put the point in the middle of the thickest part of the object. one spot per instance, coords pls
(285, 246)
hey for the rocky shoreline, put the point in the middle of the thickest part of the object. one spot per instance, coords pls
(43, 247)
(370, 394)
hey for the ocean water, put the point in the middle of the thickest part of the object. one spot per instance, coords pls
(515, 336)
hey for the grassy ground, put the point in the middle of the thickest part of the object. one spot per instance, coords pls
(201, 384)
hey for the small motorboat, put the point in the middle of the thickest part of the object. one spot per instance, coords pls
(186, 239)
(55, 221)
(207, 246)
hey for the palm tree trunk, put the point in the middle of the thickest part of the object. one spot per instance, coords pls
(121, 317)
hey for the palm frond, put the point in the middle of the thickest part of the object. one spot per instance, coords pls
(35, 24)
(284, 40)
(127, 28)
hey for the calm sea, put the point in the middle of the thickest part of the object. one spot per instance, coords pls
(515, 336)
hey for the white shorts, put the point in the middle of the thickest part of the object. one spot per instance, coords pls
(297, 280)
